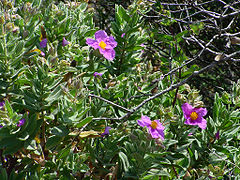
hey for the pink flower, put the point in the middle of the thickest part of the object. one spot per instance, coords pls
(42, 53)
(106, 132)
(155, 128)
(21, 122)
(194, 116)
(39, 51)
(65, 42)
(43, 43)
(104, 43)
(123, 34)
(97, 74)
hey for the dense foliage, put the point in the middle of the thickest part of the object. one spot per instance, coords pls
(119, 89)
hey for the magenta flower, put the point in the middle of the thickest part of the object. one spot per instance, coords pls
(65, 42)
(97, 74)
(142, 45)
(1, 105)
(155, 128)
(21, 122)
(217, 135)
(106, 132)
(194, 116)
(104, 43)
(43, 43)
(123, 34)
(1, 126)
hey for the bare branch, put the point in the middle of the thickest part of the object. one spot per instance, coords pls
(110, 102)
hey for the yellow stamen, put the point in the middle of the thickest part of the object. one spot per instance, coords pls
(37, 140)
(102, 45)
(154, 125)
(194, 115)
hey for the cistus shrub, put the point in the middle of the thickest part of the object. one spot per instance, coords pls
(119, 90)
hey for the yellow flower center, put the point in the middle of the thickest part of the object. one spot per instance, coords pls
(194, 115)
(154, 125)
(102, 45)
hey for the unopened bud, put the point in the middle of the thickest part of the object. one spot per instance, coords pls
(187, 87)
(9, 26)
(4, 2)
(179, 96)
(25, 34)
(219, 57)
(9, 5)
(235, 40)
(15, 29)
(2, 20)
(198, 104)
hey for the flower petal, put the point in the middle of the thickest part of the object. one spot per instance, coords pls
(159, 125)
(109, 54)
(111, 41)
(189, 121)
(92, 42)
(187, 110)
(64, 42)
(97, 74)
(21, 122)
(201, 111)
(161, 133)
(100, 35)
(106, 131)
(154, 133)
(144, 121)
(43, 43)
(202, 124)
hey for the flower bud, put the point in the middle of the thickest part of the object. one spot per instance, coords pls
(2, 20)
(9, 5)
(25, 34)
(9, 26)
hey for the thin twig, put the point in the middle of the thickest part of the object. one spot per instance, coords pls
(109, 102)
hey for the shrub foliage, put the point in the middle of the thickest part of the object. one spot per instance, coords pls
(66, 112)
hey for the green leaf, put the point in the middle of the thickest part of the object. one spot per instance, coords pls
(1, 47)
(55, 95)
(9, 109)
(159, 172)
(123, 13)
(60, 131)
(151, 177)
(83, 6)
(19, 48)
(24, 136)
(124, 160)
(3, 174)
(83, 122)
(53, 141)
(14, 147)
(134, 20)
